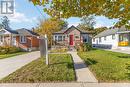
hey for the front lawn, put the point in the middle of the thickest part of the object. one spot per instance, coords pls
(60, 69)
(108, 66)
(2, 56)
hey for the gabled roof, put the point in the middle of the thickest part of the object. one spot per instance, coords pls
(26, 32)
(22, 31)
(69, 30)
(111, 31)
(12, 31)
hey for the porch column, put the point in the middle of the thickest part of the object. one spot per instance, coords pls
(118, 39)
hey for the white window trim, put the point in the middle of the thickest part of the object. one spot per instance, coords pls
(1, 39)
(113, 38)
(23, 39)
(105, 38)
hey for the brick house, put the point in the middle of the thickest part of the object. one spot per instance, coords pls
(22, 38)
(71, 37)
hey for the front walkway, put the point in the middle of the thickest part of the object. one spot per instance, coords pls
(9, 65)
(82, 72)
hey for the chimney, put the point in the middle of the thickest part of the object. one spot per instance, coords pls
(33, 29)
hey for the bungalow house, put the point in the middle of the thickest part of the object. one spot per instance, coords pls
(114, 38)
(71, 37)
(22, 38)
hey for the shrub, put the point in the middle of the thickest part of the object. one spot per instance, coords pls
(14, 49)
(87, 47)
(83, 47)
(9, 49)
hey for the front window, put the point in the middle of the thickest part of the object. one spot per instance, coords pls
(100, 39)
(93, 39)
(105, 38)
(59, 38)
(77, 37)
(63, 38)
(113, 36)
(1, 38)
(23, 39)
(123, 37)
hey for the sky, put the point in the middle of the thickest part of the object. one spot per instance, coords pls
(27, 15)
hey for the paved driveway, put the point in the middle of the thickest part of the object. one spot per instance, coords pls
(9, 65)
(118, 50)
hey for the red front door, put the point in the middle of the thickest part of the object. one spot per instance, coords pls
(71, 39)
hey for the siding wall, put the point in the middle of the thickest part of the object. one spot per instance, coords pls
(108, 42)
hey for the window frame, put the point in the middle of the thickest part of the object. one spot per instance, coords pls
(105, 38)
(113, 38)
(100, 39)
(23, 39)
(93, 39)
(60, 38)
(1, 39)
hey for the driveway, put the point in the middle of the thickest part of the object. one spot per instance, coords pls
(9, 65)
(119, 50)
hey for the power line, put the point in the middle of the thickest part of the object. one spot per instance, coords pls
(40, 12)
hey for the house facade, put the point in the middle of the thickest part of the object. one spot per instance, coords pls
(71, 37)
(22, 38)
(114, 38)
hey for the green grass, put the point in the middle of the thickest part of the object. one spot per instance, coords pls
(60, 70)
(108, 66)
(3, 56)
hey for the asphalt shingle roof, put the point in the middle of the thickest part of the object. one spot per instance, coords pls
(26, 32)
(70, 29)
(111, 31)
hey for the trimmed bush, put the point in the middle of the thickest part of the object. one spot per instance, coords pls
(9, 50)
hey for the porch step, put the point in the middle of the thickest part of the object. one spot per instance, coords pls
(72, 49)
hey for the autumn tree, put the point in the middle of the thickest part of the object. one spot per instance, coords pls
(119, 9)
(87, 23)
(49, 26)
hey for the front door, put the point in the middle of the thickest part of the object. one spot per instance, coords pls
(71, 39)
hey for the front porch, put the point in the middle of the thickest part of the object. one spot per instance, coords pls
(7, 40)
(124, 39)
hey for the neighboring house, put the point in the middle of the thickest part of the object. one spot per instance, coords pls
(71, 37)
(113, 38)
(22, 38)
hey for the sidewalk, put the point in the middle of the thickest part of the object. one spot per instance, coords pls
(9, 65)
(66, 85)
(83, 74)
(117, 50)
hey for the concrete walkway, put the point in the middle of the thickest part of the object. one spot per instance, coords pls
(9, 65)
(83, 74)
(66, 85)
